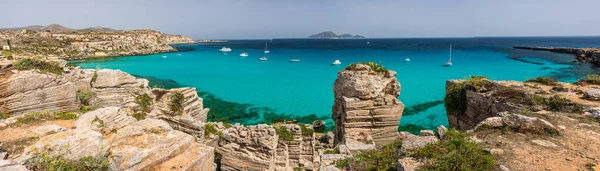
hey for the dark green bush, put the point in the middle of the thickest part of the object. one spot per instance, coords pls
(46, 66)
(210, 128)
(305, 130)
(544, 80)
(84, 97)
(176, 105)
(382, 158)
(336, 150)
(559, 104)
(139, 116)
(57, 163)
(455, 152)
(66, 116)
(378, 68)
(84, 108)
(590, 79)
(284, 133)
(144, 101)
(4, 116)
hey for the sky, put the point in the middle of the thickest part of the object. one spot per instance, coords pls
(256, 19)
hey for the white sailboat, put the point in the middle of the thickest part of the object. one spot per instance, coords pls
(295, 60)
(449, 63)
(244, 54)
(266, 50)
(225, 49)
(407, 59)
(336, 62)
(263, 58)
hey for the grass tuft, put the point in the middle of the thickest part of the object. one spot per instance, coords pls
(544, 80)
(144, 101)
(34, 63)
(284, 133)
(377, 68)
(382, 158)
(47, 162)
(305, 130)
(210, 128)
(176, 105)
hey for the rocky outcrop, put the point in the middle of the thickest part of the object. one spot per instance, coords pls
(249, 148)
(591, 55)
(366, 110)
(105, 120)
(296, 153)
(32, 91)
(72, 144)
(86, 44)
(193, 116)
(518, 122)
(479, 106)
(117, 88)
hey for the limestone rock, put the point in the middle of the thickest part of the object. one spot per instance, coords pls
(544, 143)
(412, 143)
(194, 113)
(404, 135)
(327, 159)
(105, 120)
(329, 168)
(408, 164)
(298, 152)
(32, 91)
(592, 94)
(426, 133)
(595, 111)
(73, 144)
(11, 167)
(528, 124)
(256, 151)
(197, 157)
(117, 88)
(146, 143)
(48, 129)
(441, 130)
(366, 105)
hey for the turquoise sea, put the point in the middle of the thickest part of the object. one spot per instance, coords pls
(250, 91)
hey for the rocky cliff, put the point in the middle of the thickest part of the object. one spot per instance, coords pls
(73, 44)
(366, 108)
(591, 55)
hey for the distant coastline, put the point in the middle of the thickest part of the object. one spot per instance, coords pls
(332, 35)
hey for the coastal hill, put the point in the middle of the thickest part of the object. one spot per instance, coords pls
(62, 42)
(332, 35)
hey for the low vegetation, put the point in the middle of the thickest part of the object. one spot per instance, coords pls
(210, 128)
(455, 152)
(85, 108)
(377, 68)
(36, 117)
(544, 80)
(590, 79)
(84, 97)
(227, 125)
(336, 150)
(4, 116)
(176, 105)
(456, 97)
(35, 63)
(284, 133)
(382, 158)
(558, 104)
(47, 162)
(305, 130)
(66, 116)
(139, 116)
(144, 101)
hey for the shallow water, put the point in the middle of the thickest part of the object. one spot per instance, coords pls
(246, 90)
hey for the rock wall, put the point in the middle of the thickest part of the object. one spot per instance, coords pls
(296, 153)
(479, 107)
(250, 148)
(31, 91)
(194, 114)
(117, 88)
(366, 109)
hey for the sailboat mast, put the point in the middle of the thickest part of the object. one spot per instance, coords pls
(265, 46)
(450, 52)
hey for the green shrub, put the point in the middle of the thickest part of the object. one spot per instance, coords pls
(382, 158)
(84, 97)
(305, 130)
(456, 94)
(336, 150)
(4, 116)
(35, 117)
(139, 116)
(176, 104)
(84, 108)
(298, 169)
(227, 125)
(284, 133)
(559, 104)
(210, 128)
(99, 121)
(590, 79)
(144, 101)
(455, 152)
(378, 68)
(544, 80)
(58, 163)
(46, 66)
(66, 116)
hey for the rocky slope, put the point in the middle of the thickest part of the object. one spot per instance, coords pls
(75, 44)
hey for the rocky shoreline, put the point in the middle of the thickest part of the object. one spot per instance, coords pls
(591, 55)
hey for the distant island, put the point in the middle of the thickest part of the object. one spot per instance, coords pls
(58, 27)
(332, 35)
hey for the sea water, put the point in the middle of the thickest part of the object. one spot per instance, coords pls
(249, 91)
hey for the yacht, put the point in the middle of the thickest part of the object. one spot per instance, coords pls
(225, 49)
(244, 54)
(336, 62)
(295, 60)
(263, 58)
(407, 59)
(449, 63)
(164, 56)
(266, 50)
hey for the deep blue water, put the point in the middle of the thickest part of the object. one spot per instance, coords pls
(244, 89)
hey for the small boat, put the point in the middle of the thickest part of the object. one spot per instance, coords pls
(179, 54)
(225, 49)
(295, 60)
(244, 54)
(263, 58)
(449, 63)
(336, 62)
(266, 50)
(407, 59)
(164, 56)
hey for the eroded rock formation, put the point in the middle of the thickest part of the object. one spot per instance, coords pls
(366, 109)
(249, 148)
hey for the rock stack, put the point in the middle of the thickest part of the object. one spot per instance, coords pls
(366, 109)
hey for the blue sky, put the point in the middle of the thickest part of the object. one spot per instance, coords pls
(232, 19)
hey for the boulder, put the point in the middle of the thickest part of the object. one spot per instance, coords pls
(366, 105)
(441, 130)
(426, 133)
(408, 164)
(318, 124)
(105, 120)
(73, 144)
(592, 94)
(528, 124)
(33, 91)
